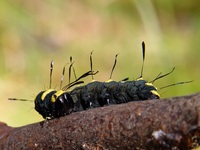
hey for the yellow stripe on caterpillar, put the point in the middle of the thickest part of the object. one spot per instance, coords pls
(155, 93)
(93, 80)
(108, 80)
(45, 93)
(56, 95)
(139, 79)
(150, 84)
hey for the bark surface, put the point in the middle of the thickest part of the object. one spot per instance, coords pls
(172, 123)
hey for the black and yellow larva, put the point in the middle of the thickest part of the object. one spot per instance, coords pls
(51, 103)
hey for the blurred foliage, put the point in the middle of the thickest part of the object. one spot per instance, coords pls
(32, 33)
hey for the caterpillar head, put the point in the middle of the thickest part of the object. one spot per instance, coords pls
(53, 104)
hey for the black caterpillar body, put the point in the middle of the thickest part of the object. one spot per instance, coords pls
(98, 94)
(53, 104)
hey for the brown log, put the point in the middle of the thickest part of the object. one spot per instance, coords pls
(172, 123)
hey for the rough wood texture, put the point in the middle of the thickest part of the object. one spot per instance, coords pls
(155, 124)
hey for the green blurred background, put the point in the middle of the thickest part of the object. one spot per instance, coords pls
(32, 33)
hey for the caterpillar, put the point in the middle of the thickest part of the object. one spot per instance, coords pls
(53, 103)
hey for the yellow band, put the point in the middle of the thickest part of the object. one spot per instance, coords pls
(139, 79)
(45, 93)
(155, 93)
(56, 95)
(108, 80)
(150, 84)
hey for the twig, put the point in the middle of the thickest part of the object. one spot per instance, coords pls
(172, 123)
